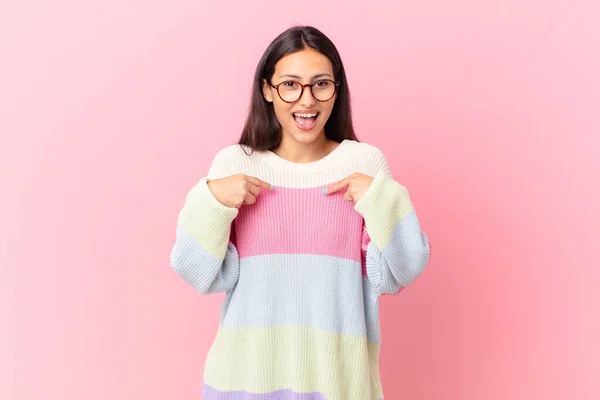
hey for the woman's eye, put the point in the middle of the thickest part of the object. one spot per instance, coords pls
(289, 84)
(322, 84)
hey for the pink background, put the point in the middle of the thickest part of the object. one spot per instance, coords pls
(487, 110)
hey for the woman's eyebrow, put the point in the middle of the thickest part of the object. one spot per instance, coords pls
(297, 77)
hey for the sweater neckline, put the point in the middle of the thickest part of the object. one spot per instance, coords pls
(341, 151)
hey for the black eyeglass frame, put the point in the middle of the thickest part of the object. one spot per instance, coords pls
(335, 89)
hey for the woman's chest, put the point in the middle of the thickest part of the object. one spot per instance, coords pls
(299, 221)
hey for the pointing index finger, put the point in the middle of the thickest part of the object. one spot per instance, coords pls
(259, 182)
(337, 186)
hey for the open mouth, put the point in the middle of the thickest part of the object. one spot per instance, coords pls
(305, 121)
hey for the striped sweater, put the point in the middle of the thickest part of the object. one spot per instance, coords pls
(302, 273)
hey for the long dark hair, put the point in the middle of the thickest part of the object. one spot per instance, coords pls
(262, 130)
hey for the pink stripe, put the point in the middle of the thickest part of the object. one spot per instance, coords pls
(299, 221)
(364, 247)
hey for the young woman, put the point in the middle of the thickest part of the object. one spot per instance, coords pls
(304, 228)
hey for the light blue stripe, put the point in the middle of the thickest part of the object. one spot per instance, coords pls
(201, 269)
(403, 259)
(371, 312)
(325, 292)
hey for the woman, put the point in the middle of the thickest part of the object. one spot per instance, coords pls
(304, 228)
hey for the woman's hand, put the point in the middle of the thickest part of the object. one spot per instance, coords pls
(356, 183)
(235, 190)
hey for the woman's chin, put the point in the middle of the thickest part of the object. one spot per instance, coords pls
(305, 136)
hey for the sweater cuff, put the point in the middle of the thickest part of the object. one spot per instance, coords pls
(384, 203)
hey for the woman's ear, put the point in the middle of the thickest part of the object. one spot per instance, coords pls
(267, 91)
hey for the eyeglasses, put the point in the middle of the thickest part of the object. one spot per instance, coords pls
(291, 91)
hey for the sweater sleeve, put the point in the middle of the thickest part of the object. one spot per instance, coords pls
(396, 249)
(204, 253)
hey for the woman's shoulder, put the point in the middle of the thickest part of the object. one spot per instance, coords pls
(367, 149)
(368, 152)
(233, 150)
(368, 158)
(230, 159)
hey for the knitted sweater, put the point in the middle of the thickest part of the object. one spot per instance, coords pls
(302, 273)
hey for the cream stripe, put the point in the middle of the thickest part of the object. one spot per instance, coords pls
(376, 388)
(303, 359)
(353, 157)
(383, 205)
(207, 220)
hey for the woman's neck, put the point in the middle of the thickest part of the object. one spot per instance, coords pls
(299, 152)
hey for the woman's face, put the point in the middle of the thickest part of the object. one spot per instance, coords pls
(305, 66)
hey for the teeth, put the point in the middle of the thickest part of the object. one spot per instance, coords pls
(305, 115)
